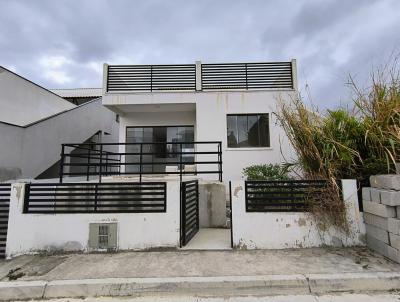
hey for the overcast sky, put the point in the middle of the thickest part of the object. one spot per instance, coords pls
(63, 44)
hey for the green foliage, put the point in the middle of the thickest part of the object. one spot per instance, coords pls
(266, 172)
(343, 143)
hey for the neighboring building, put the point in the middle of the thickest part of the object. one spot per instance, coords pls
(34, 122)
(23, 102)
(233, 103)
(78, 96)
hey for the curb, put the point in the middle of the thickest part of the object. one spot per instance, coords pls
(204, 286)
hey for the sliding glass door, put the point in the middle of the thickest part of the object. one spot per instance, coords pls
(161, 153)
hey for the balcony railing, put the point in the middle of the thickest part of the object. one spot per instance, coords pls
(157, 158)
(199, 77)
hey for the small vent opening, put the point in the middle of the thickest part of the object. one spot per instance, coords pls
(103, 236)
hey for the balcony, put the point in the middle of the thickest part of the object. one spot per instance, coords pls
(199, 77)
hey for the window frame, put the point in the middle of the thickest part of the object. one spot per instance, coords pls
(259, 133)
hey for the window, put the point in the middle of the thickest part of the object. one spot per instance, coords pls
(248, 130)
(158, 152)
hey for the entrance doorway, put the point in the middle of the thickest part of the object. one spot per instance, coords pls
(196, 235)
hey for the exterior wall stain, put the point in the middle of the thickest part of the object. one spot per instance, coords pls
(302, 222)
(237, 190)
(295, 230)
(18, 192)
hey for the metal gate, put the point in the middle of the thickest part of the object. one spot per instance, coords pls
(189, 210)
(5, 190)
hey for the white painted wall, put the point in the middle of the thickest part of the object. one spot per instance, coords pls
(292, 230)
(211, 109)
(23, 102)
(35, 148)
(10, 151)
(31, 233)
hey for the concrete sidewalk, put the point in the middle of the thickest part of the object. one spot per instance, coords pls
(299, 271)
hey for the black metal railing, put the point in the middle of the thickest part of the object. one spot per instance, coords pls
(88, 159)
(282, 196)
(151, 77)
(178, 158)
(247, 76)
(226, 76)
(125, 197)
(5, 191)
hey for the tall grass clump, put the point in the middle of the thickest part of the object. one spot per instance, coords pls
(347, 143)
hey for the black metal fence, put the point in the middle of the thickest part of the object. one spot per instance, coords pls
(282, 196)
(5, 191)
(151, 77)
(179, 158)
(267, 75)
(247, 76)
(189, 210)
(125, 197)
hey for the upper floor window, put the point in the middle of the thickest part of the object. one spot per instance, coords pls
(248, 130)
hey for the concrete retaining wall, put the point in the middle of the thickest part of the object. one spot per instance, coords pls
(292, 230)
(382, 215)
(31, 233)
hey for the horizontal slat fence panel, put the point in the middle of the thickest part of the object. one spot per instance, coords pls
(151, 77)
(126, 197)
(189, 210)
(5, 191)
(282, 196)
(247, 76)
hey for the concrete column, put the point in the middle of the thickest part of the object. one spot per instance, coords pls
(198, 76)
(294, 75)
(353, 215)
(15, 218)
(105, 78)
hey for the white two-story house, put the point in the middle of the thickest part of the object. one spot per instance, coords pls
(230, 103)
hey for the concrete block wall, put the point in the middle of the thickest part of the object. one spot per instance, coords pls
(382, 215)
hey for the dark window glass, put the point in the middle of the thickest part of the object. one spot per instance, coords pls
(232, 131)
(264, 130)
(242, 131)
(248, 130)
(162, 152)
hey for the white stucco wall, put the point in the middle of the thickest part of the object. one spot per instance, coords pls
(31, 233)
(35, 148)
(281, 230)
(23, 102)
(211, 109)
(10, 151)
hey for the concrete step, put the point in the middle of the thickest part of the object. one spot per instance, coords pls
(204, 286)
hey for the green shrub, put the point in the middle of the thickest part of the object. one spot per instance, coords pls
(266, 172)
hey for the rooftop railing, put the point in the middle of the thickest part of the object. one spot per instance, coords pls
(200, 77)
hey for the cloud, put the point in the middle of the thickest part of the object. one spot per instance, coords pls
(64, 43)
